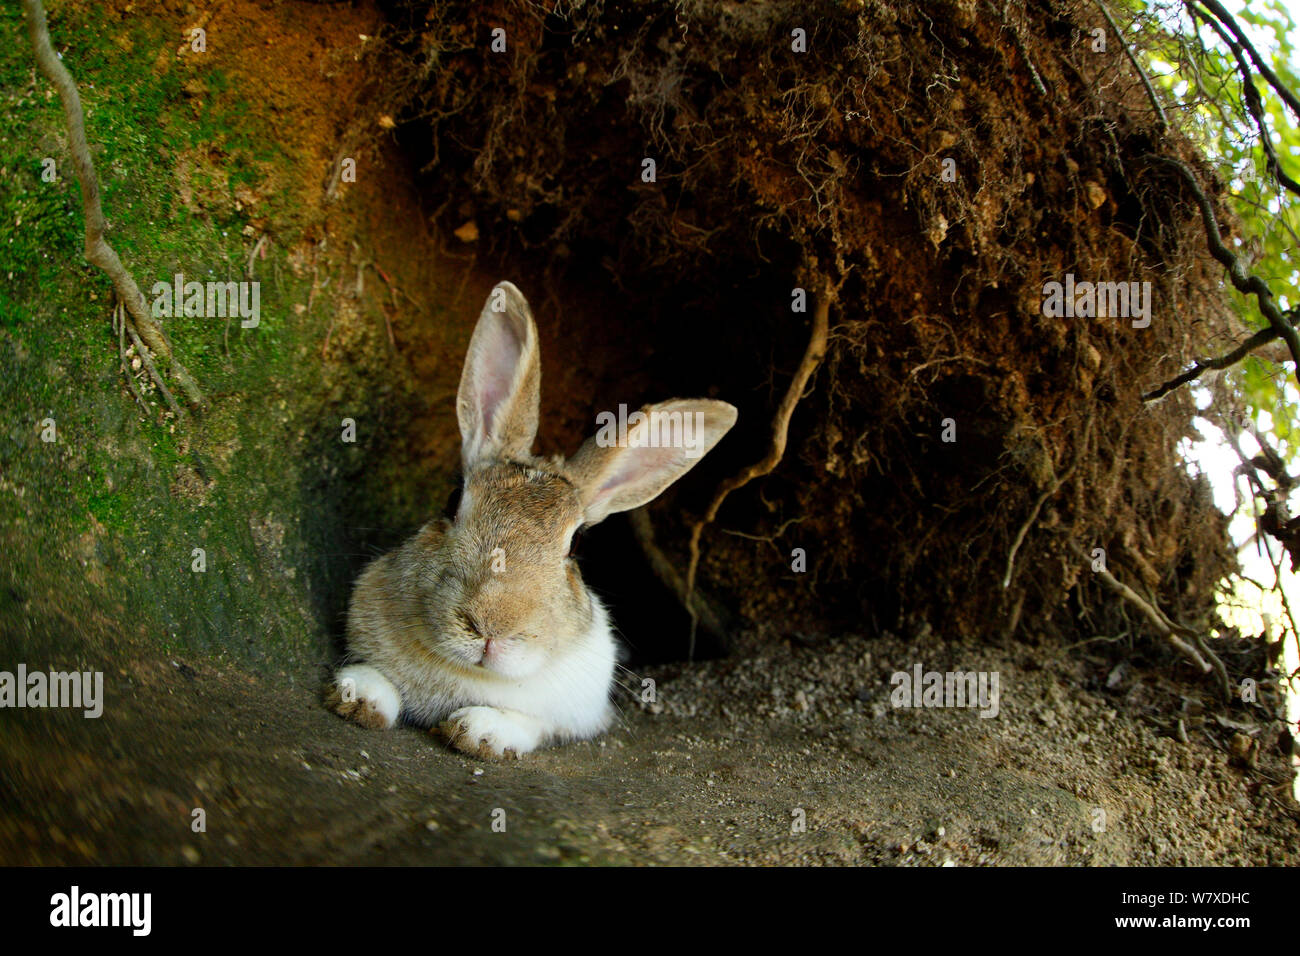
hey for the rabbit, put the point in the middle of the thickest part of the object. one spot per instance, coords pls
(480, 627)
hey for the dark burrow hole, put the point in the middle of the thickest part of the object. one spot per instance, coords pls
(627, 337)
(651, 624)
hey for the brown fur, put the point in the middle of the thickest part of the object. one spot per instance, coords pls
(453, 733)
(358, 711)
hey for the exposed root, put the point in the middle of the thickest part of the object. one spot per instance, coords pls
(153, 373)
(1137, 66)
(711, 617)
(1172, 632)
(259, 248)
(1033, 516)
(119, 326)
(359, 290)
(812, 357)
(97, 250)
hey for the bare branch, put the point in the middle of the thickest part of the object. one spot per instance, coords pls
(1254, 106)
(1243, 281)
(1201, 366)
(1279, 87)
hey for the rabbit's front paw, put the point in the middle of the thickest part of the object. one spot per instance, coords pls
(365, 696)
(490, 732)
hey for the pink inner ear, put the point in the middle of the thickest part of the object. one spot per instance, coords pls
(638, 465)
(489, 401)
(496, 371)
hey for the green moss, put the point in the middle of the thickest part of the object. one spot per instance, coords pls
(154, 495)
(109, 509)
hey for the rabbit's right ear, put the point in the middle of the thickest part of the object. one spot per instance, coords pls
(619, 474)
(497, 403)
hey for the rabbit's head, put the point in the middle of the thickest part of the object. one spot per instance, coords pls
(503, 594)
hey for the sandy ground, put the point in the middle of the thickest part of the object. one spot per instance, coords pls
(719, 770)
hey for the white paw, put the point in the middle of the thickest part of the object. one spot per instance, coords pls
(489, 732)
(364, 695)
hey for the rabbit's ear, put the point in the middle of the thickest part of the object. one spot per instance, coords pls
(499, 387)
(618, 472)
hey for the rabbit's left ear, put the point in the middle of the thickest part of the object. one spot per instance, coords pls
(500, 385)
(618, 472)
